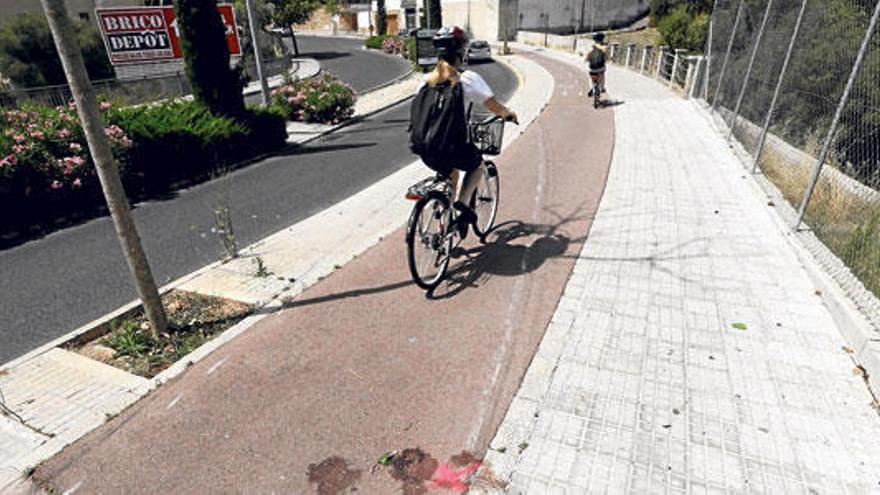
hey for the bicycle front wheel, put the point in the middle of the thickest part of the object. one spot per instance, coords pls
(485, 199)
(429, 241)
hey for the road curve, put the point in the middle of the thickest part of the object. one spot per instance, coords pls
(346, 59)
(363, 363)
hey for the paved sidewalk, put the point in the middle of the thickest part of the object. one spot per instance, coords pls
(690, 351)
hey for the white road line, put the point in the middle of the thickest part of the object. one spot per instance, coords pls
(174, 402)
(217, 365)
(73, 489)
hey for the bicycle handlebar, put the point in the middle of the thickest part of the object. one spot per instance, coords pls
(495, 118)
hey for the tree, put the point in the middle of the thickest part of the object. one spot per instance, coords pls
(682, 29)
(381, 18)
(206, 57)
(74, 67)
(28, 56)
(286, 13)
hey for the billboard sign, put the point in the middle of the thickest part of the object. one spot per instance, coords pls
(150, 34)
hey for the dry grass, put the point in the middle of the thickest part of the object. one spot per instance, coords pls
(642, 37)
(846, 223)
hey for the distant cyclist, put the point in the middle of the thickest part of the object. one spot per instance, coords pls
(439, 121)
(596, 60)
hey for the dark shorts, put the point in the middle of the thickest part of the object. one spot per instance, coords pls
(470, 160)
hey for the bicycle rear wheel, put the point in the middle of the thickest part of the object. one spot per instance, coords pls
(429, 241)
(485, 199)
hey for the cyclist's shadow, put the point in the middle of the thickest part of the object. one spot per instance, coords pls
(500, 257)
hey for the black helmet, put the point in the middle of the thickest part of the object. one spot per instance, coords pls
(450, 41)
(599, 37)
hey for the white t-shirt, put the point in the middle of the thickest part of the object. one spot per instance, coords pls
(474, 87)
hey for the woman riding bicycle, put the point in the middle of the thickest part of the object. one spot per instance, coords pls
(451, 43)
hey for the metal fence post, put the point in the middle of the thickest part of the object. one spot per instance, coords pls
(709, 51)
(661, 54)
(763, 139)
(745, 84)
(676, 63)
(645, 51)
(727, 55)
(690, 83)
(630, 48)
(826, 147)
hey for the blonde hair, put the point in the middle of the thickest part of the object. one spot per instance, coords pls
(442, 73)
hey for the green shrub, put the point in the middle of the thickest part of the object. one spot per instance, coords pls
(324, 100)
(682, 29)
(183, 140)
(28, 57)
(376, 42)
(46, 170)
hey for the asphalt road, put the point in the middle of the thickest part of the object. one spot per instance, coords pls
(345, 59)
(53, 285)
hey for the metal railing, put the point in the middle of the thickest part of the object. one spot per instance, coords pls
(129, 91)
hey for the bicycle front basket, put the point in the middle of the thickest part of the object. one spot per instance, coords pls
(488, 137)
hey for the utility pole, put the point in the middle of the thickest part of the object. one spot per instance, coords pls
(252, 22)
(108, 172)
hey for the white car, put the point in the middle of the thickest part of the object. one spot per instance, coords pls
(479, 51)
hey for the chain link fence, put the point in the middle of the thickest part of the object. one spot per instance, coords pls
(797, 83)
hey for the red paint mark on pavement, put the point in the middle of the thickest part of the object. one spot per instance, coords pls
(453, 478)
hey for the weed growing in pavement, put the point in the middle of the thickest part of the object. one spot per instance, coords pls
(223, 222)
(261, 270)
(129, 339)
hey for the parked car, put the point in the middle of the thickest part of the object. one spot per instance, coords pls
(479, 51)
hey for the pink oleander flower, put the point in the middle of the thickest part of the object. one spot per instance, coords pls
(77, 183)
(75, 147)
(63, 133)
(18, 148)
(75, 161)
(9, 160)
(55, 185)
(105, 105)
(125, 141)
(39, 135)
(291, 99)
(9, 132)
(19, 138)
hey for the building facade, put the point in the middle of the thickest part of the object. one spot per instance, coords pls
(493, 19)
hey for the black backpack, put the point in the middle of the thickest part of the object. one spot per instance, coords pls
(438, 126)
(596, 58)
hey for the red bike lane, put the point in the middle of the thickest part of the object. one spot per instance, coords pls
(363, 362)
